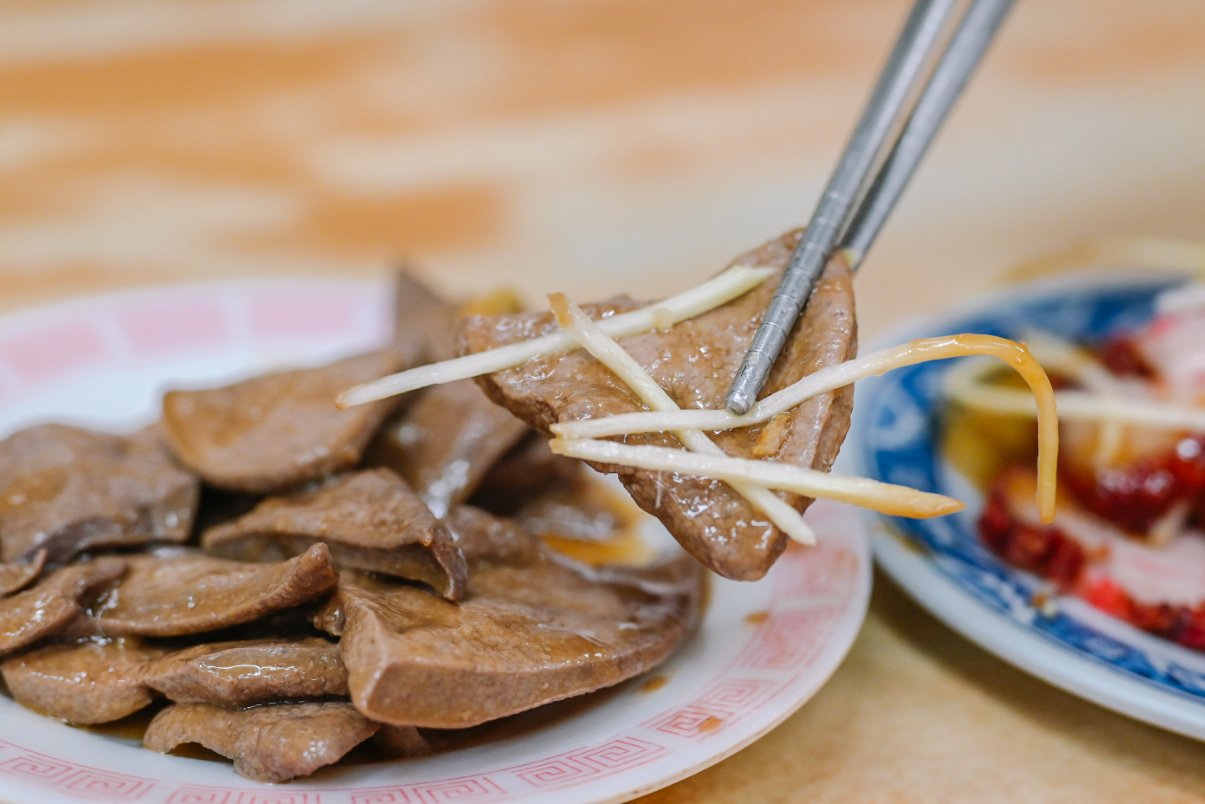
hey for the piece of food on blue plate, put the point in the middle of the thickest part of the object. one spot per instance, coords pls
(1129, 536)
(1158, 588)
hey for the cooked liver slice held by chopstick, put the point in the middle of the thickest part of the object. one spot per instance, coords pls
(694, 362)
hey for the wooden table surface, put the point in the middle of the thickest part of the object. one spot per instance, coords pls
(599, 145)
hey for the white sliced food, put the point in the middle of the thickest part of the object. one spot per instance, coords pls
(886, 498)
(721, 289)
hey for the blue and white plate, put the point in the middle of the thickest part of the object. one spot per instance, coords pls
(943, 565)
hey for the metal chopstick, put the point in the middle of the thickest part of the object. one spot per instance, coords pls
(839, 217)
(966, 47)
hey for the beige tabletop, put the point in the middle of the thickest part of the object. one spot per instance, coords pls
(604, 145)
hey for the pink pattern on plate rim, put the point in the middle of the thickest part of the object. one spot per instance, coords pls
(594, 761)
(66, 776)
(467, 788)
(205, 794)
(307, 313)
(151, 330)
(50, 352)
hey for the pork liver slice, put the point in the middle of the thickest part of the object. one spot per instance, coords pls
(52, 605)
(423, 317)
(236, 674)
(280, 430)
(695, 363)
(83, 683)
(369, 519)
(16, 575)
(272, 743)
(446, 441)
(66, 490)
(528, 469)
(398, 742)
(483, 537)
(526, 635)
(178, 592)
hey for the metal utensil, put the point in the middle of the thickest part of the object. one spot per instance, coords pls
(858, 198)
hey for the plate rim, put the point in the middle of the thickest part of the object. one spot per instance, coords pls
(1039, 657)
(859, 607)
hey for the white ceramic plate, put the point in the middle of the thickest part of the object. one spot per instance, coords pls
(941, 562)
(763, 649)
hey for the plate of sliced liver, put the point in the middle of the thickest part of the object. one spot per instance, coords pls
(411, 601)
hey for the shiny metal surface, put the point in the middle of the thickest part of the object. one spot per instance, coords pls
(843, 199)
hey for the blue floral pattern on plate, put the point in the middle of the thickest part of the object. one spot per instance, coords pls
(897, 439)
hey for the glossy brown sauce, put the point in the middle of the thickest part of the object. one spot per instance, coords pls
(128, 729)
(623, 545)
(654, 683)
(757, 617)
(626, 547)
